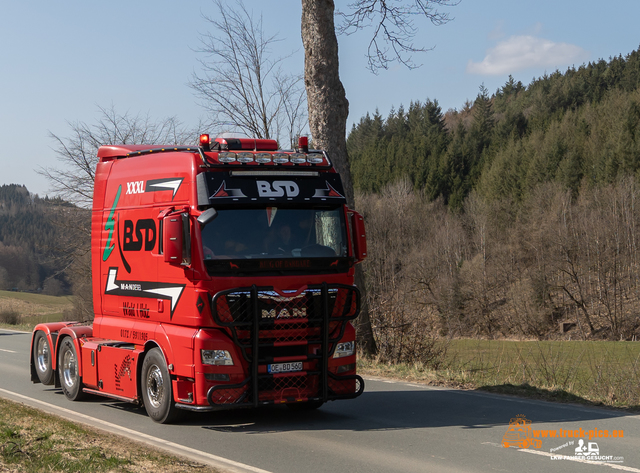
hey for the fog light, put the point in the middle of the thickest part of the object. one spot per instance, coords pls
(216, 357)
(345, 349)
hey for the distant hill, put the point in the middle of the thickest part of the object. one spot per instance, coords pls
(33, 232)
(574, 128)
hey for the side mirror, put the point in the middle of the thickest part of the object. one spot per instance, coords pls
(207, 216)
(358, 236)
(176, 239)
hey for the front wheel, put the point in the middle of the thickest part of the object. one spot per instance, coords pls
(157, 393)
(68, 372)
(42, 358)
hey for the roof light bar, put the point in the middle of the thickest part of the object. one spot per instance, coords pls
(276, 172)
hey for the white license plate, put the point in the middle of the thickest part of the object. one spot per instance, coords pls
(284, 367)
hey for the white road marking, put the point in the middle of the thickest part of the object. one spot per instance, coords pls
(8, 351)
(174, 448)
(13, 331)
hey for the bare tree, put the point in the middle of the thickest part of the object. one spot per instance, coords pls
(77, 153)
(326, 98)
(393, 27)
(242, 85)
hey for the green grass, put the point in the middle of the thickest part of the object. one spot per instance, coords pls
(601, 373)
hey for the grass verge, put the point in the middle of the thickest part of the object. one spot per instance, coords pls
(23, 310)
(595, 373)
(32, 441)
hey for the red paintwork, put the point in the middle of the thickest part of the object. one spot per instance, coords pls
(143, 323)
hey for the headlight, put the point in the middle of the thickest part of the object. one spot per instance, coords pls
(216, 357)
(345, 349)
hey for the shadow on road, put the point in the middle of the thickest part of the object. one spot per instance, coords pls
(399, 410)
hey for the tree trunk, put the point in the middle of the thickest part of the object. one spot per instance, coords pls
(328, 112)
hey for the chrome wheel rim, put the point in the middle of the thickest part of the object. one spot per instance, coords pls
(69, 369)
(155, 386)
(42, 355)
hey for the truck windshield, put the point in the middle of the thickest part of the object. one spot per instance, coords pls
(274, 232)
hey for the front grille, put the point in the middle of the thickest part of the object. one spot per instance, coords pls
(267, 325)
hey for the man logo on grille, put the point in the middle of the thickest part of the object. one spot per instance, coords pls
(284, 313)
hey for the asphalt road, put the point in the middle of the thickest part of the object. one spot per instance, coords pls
(392, 427)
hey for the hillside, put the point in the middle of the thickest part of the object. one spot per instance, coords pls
(576, 128)
(514, 217)
(33, 236)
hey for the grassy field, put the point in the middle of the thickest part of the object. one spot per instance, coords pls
(601, 373)
(32, 441)
(23, 310)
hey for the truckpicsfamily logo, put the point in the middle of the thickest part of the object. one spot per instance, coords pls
(520, 433)
(148, 289)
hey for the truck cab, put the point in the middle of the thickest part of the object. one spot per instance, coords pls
(222, 277)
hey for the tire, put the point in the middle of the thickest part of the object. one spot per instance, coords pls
(68, 372)
(42, 358)
(157, 393)
(305, 406)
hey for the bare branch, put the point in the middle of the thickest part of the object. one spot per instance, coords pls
(241, 85)
(77, 153)
(393, 27)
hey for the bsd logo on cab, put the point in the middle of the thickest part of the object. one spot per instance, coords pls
(280, 189)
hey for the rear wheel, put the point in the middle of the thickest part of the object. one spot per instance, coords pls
(157, 393)
(68, 371)
(42, 358)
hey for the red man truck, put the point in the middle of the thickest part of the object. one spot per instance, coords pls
(222, 278)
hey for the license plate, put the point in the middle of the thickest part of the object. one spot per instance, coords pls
(284, 367)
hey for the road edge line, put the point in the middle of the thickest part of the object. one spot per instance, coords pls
(171, 447)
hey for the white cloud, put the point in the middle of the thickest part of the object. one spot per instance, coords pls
(524, 52)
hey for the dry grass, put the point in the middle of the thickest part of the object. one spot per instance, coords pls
(23, 310)
(32, 441)
(596, 373)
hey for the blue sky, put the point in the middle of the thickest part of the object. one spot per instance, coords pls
(62, 60)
